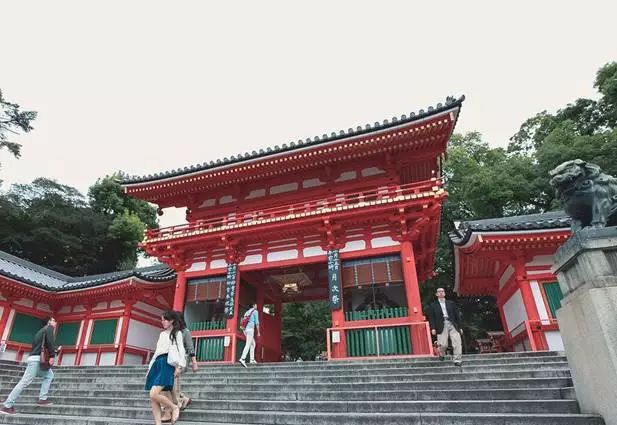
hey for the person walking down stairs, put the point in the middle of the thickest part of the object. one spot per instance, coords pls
(167, 362)
(445, 321)
(178, 397)
(250, 325)
(38, 364)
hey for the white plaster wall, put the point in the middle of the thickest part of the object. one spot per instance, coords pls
(346, 175)
(1, 310)
(253, 259)
(257, 193)
(541, 260)
(371, 171)
(217, 264)
(88, 359)
(306, 184)
(116, 304)
(100, 306)
(207, 203)
(313, 251)
(108, 359)
(514, 310)
(383, 241)
(227, 199)
(537, 297)
(25, 302)
(65, 309)
(282, 188)
(68, 359)
(507, 274)
(142, 334)
(43, 307)
(9, 355)
(289, 254)
(553, 338)
(150, 309)
(132, 359)
(354, 246)
(199, 265)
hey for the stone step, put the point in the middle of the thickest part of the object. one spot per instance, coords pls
(565, 393)
(242, 373)
(136, 408)
(303, 418)
(369, 379)
(357, 363)
(340, 418)
(462, 384)
(217, 368)
(269, 373)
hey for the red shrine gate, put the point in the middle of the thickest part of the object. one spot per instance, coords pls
(352, 218)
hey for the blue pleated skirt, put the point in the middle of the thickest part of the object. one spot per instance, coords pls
(161, 374)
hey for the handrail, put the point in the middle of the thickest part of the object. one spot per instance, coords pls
(528, 329)
(399, 192)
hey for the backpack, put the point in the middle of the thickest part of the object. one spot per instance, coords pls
(245, 320)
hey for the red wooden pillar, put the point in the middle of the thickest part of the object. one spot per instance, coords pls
(419, 340)
(530, 307)
(180, 292)
(4, 319)
(265, 335)
(126, 317)
(339, 349)
(82, 338)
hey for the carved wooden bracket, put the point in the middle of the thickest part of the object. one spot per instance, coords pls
(332, 235)
(234, 251)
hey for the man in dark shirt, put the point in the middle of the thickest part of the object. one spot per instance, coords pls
(45, 336)
(445, 321)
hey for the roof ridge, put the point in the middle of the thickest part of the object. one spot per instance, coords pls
(450, 102)
(33, 266)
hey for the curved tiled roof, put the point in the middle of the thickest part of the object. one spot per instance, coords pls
(450, 103)
(549, 220)
(44, 278)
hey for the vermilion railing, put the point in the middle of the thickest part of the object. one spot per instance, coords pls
(531, 331)
(382, 340)
(381, 195)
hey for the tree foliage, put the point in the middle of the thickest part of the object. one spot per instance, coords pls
(485, 182)
(304, 329)
(55, 226)
(12, 121)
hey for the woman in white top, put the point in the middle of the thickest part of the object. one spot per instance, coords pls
(160, 378)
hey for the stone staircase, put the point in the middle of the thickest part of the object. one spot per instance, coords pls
(509, 388)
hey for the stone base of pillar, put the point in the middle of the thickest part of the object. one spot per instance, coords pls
(586, 267)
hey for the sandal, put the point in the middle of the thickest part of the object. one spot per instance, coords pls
(186, 403)
(175, 414)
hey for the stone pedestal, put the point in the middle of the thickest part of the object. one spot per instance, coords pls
(586, 267)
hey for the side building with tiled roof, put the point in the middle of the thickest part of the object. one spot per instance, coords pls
(510, 258)
(105, 319)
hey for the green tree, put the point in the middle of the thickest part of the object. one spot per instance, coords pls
(55, 226)
(12, 121)
(304, 329)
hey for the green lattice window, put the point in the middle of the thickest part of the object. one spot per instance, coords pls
(67, 333)
(553, 297)
(104, 332)
(24, 328)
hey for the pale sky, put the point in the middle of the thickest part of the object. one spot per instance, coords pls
(149, 86)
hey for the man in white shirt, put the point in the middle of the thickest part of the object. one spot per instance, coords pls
(445, 322)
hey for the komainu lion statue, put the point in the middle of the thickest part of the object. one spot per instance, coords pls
(588, 195)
